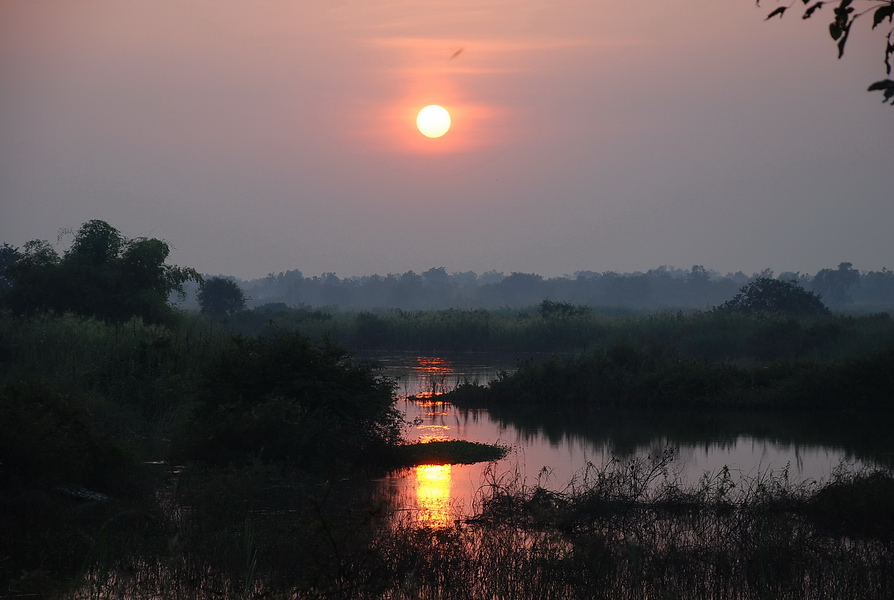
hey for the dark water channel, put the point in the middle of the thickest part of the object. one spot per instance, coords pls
(551, 447)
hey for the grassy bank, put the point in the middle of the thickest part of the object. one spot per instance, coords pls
(624, 377)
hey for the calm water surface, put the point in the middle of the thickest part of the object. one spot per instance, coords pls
(551, 447)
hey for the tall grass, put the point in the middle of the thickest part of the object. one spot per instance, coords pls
(85, 407)
(698, 335)
(624, 377)
(630, 529)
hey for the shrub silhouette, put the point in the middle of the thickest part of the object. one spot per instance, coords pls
(765, 294)
(286, 399)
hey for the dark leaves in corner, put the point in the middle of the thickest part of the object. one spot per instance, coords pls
(812, 9)
(882, 13)
(778, 11)
(885, 86)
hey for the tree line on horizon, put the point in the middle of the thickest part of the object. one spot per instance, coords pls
(129, 276)
(664, 288)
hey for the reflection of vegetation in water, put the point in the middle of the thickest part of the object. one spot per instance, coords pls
(864, 437)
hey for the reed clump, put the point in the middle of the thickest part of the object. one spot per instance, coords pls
(626, 377)
(631, 529)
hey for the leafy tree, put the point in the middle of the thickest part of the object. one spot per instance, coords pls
(775, 296)
(8, 257)
(96, 243)
(845, 15)
(220, 296)
(103, 274)
(32, 277)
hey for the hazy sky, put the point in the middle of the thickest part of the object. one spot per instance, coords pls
(258, 136)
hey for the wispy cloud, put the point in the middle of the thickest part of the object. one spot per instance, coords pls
(471, 46)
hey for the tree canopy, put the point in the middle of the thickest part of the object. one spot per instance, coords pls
(8, 257)
(765, 294)
(845, 14)
(103, 274)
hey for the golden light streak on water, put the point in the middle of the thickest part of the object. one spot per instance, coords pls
(433, 495)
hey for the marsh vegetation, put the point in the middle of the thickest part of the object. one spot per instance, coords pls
(168, 459)
(240, 454)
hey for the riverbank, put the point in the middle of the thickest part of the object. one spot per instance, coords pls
(626, 377)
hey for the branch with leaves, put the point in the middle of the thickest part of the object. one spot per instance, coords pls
(846, 14)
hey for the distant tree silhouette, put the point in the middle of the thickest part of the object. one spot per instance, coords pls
(664, 288)
(220, 296)
(845, 15)
(775, 296)
(835, 284)
(550, 309)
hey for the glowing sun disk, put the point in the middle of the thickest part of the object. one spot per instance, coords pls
(433, 121)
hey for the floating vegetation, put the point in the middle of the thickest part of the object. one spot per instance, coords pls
(449, 452)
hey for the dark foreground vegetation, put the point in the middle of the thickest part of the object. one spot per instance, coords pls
(148, 452)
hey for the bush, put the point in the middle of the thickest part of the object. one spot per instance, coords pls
(287, 399)
(50, 438)
(775, 296)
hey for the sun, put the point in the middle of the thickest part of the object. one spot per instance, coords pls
(433, 121)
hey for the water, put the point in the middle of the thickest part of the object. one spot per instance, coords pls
(550, 447)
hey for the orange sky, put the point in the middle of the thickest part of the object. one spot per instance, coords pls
(258, 137)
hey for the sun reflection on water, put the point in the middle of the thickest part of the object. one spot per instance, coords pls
(432, 372)
(433, 495)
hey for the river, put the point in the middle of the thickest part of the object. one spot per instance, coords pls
(552, 448)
